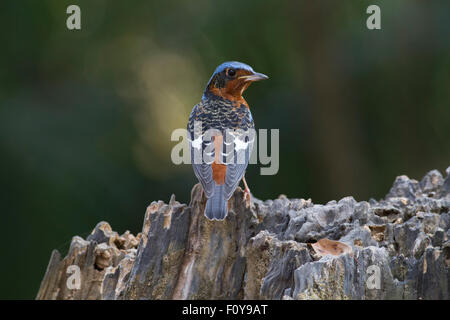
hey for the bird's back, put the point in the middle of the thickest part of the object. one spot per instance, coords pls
(217, 113)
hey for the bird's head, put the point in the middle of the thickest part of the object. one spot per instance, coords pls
(230, 80)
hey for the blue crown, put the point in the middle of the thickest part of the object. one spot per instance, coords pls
(234, 65)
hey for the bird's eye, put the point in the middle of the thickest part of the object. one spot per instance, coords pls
(231, 72)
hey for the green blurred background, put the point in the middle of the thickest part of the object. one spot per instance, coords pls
(86, 116)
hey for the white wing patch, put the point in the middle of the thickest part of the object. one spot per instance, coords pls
(197, 142)
(240, 145)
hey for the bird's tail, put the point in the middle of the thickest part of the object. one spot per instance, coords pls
(216, 206)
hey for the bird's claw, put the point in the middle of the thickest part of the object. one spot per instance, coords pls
(247, 198)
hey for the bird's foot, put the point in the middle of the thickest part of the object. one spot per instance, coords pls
(247, 197)
(246, 193)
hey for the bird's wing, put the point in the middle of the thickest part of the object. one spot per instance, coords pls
(203, 171)
(243, 146)
(197, 147)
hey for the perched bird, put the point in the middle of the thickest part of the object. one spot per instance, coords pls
(224, 112)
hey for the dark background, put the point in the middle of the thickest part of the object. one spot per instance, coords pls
(86, 116)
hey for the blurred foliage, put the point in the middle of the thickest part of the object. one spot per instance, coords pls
(86, 116)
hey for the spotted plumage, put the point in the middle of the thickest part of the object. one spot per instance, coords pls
(222, 119)
(216, 112)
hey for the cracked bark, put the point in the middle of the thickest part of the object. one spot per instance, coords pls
(267, 252)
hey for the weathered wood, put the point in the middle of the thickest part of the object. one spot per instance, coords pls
(267, 252)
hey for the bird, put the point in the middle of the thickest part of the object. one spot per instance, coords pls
(222, 118)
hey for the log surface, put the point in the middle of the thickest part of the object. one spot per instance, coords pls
(395, 248)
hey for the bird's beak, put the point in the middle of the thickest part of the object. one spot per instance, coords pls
(254, 77)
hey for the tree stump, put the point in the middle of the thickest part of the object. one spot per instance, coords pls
(395, 248)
